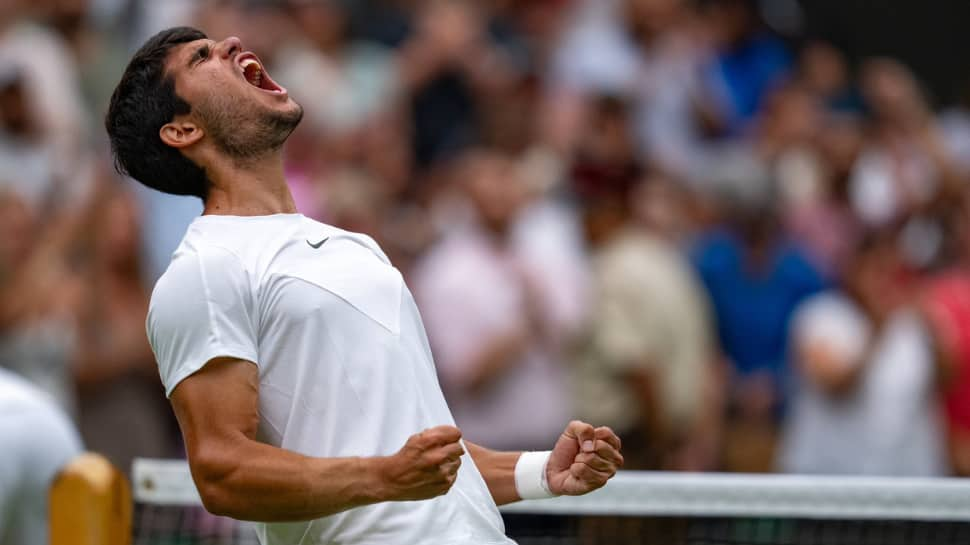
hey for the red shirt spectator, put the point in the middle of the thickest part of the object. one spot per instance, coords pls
(947, 307)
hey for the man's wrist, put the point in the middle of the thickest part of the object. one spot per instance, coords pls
(378, 488)
(531, 482)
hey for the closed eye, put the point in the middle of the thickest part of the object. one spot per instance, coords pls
(200, 55)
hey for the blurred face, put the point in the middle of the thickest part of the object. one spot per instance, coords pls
(873, 276)
(794, 116)
(824, 68)
(658, 203)
(892, 92)
(729, 21)
(652, 16)
(241, 108)
(323, 22)
(495, 189)
(840, 142)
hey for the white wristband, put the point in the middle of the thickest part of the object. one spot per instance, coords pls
(530, 476)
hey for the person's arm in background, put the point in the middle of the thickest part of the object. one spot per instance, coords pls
(106, 348)
(831, 345)
(240, 477)
(454, 36)
(41, 282)
(583, 459)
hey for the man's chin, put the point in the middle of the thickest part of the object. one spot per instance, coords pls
(282, 123)
(290, 118)
(295, 113)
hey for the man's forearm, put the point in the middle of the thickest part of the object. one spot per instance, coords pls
(241, 477)
(259, 482)
(498, 470)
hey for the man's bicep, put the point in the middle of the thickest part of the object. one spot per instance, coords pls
(218, 404)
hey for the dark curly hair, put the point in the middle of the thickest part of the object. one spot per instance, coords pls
(143, 102)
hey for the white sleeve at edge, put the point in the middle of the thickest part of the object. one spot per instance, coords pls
(202, 308)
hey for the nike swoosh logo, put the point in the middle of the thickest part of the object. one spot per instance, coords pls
(317, 245)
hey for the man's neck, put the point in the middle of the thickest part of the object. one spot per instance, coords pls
(251, 188)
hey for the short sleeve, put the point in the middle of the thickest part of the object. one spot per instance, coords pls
(202, 308)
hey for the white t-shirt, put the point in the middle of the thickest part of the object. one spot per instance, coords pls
(888, 424)
(36, 441)
(344, 363)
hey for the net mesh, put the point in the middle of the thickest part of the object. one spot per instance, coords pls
(187, 525)
(696, 530)
(643, 508)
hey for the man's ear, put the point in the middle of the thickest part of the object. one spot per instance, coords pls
(180, 133)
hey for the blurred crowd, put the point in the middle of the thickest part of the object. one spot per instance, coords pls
(723, 239)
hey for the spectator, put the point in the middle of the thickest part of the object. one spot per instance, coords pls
(954, 123)
(594, 56)
(38, 440)
(755, 278)
(825, 221)
(39, 293)
(345, 85)
(906, 165)
(491, 316)
(866, 398)
(679, 129)
(122, 408)
(46, 73)
(25, 157)
(676, 109)
(341, 82)
(750, 60)
(785, 137)
(823, 71)
(647, 368)
(454, 59)
(945, 303)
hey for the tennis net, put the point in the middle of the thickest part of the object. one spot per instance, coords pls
(644, 508)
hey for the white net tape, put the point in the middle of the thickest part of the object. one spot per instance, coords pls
(168, 482)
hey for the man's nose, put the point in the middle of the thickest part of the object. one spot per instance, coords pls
(229, 47)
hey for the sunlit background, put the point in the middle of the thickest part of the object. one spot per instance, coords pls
(735, 231)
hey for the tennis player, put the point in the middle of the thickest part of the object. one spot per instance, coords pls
(292, 351)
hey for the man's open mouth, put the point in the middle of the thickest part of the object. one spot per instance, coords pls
(256, 75)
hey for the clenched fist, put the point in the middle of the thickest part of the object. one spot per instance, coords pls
(425, 467)
(583, 459)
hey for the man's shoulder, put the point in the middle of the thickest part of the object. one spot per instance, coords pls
(362, 239)
(198, 266)
(193, 256)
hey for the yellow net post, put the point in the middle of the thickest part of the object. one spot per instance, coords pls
(90, 504)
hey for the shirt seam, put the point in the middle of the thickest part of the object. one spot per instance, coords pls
(216, 333)
(347, 302)
(229, 251)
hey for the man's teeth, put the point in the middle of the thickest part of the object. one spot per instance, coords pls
(252, 71)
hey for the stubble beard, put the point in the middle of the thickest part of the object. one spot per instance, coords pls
(244, 138)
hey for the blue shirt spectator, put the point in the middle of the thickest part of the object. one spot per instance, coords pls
(754, 301)
(747, 72)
